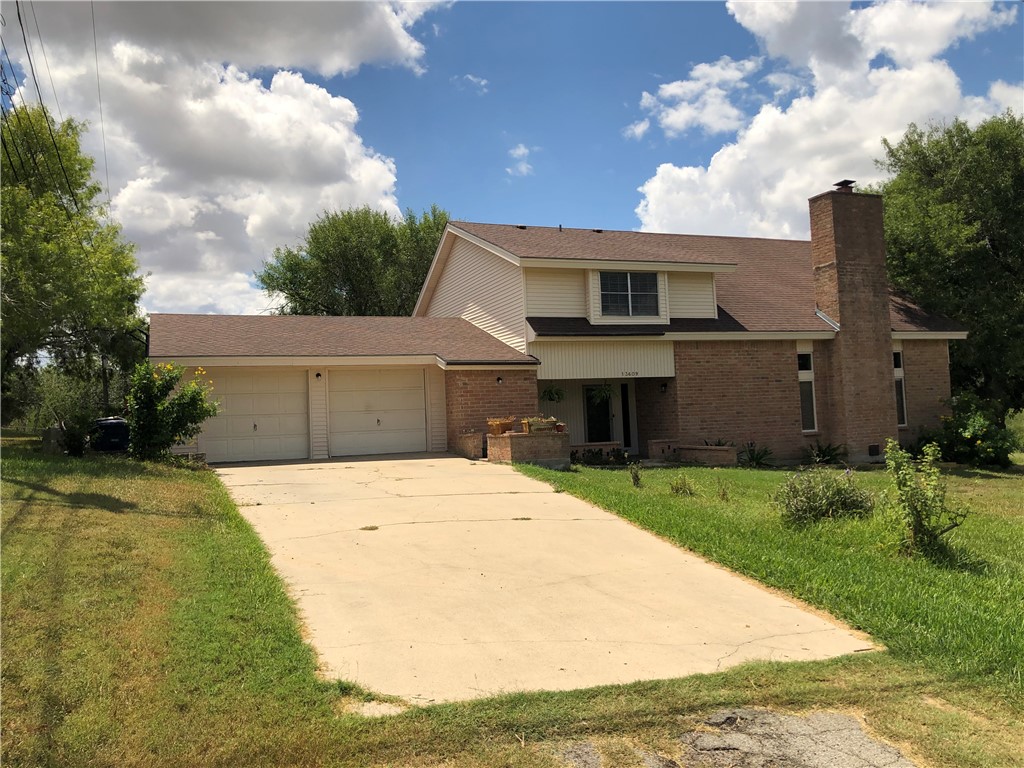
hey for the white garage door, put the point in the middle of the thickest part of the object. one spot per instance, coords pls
(377, 411)
(262, 416)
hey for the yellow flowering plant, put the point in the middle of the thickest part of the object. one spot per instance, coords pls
(163, 410)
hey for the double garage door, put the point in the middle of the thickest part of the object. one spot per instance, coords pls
(264, 415)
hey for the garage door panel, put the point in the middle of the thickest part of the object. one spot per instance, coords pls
(384, 400)
(274, 401)
(354, 443)
(355, 381)
(379, 421)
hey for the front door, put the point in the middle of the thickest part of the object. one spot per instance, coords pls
(597, 404)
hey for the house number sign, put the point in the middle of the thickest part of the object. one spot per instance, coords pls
(628, 374)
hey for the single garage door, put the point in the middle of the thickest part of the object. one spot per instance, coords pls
(263, 415)
(377, 411)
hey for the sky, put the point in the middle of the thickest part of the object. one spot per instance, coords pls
(228, 127)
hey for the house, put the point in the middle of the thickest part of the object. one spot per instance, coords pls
(629, 337)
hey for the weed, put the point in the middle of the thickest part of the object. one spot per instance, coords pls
(824, 453)
(755, 458)
(634, 474)
(722, 489)
(819, 494)
(682, 485)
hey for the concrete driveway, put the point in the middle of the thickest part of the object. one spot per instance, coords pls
(436, 579)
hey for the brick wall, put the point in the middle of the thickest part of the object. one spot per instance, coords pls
(550, 449)
(473, 396)
(739, 391)
(851, 287)
(926, 385)
(657, 415)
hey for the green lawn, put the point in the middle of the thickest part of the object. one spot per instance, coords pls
(143, 625)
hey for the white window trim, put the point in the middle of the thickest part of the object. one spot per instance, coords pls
(899, 375)
(594, 301)
(806, 348)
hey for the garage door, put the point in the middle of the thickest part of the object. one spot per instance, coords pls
(263, 415)
(377, 411)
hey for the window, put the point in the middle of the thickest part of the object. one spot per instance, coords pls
(629, 294)
(805, 374)
(901, 394)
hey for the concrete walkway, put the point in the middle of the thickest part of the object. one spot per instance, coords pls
(435, 579)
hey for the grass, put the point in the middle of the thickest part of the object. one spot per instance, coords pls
(143, 625)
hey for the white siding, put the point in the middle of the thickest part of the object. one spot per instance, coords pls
(484, 289)
(691, 294)
(318, 414)
(437, 428)
(556, 292)
(594, 302)
(603, 359)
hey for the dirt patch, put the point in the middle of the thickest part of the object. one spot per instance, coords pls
(754, 738)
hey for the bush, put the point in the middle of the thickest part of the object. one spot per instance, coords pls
(755, 458)
(161, 413)
(70, 402)
(818, 494)
(972, 435)
(919, 502)
(824, 453)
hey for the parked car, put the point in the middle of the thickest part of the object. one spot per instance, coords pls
(109, 435)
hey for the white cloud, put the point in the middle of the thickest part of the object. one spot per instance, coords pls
(759, 183)
(702, 100)
(478, 84)
(636, 130)
(212, 167)
(520, 153)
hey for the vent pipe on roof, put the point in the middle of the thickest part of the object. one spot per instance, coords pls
(559, 227)
(598, 231)
(520, 226)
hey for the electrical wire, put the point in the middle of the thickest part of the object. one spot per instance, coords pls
(49, 128)
(49, 72)
(99, 97)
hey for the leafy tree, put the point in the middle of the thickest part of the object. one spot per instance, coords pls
(954, 226)
(356, 262)
(69, 283)
(162, 411)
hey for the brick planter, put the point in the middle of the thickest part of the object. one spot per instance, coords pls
(469, 445)
(711, 455)
(547, 449)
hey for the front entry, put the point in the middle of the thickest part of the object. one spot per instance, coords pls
(598, 409)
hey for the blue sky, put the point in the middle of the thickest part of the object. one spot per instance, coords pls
(230, 126)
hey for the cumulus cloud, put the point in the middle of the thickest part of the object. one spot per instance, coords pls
(637, 130)
(219, 148)
(702, 100)
(845, 103)
(520, 153)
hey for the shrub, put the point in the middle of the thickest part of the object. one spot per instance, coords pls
(818, 494)
(824, 453)
(971, 434)
(682, 485)
(919, 502)
(161, 413)
(70, 402)
(755, 458)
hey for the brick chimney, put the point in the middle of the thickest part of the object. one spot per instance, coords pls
(851, 287)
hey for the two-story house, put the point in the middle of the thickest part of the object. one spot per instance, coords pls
(628, 337)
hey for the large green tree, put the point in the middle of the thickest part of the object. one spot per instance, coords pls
(356, 262)
(954, 227)
(69, 284)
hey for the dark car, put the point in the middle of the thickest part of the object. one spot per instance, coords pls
(109, 435)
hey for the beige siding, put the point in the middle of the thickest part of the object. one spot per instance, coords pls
(603, 359)
(484, 289)
(556, 292)
(594, 302)
(437, 431)
(318, 414)
(691, 294)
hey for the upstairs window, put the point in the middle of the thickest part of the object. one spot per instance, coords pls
(629, 294)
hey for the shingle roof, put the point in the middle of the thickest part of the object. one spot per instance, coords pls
(452, 339)
(771, 289)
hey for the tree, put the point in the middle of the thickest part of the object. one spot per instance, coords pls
(954, 227)
(356, 262)
(69, 283)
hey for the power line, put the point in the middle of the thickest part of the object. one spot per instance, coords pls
(49, 72)
(99, 97)
(49, 128)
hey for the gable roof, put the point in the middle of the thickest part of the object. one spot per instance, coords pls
(451, 339)
(768, 288)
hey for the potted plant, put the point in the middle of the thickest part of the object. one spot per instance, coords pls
(552, 393)
(499, 425)
(559, 426)
(601, 393)
(533, 424)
